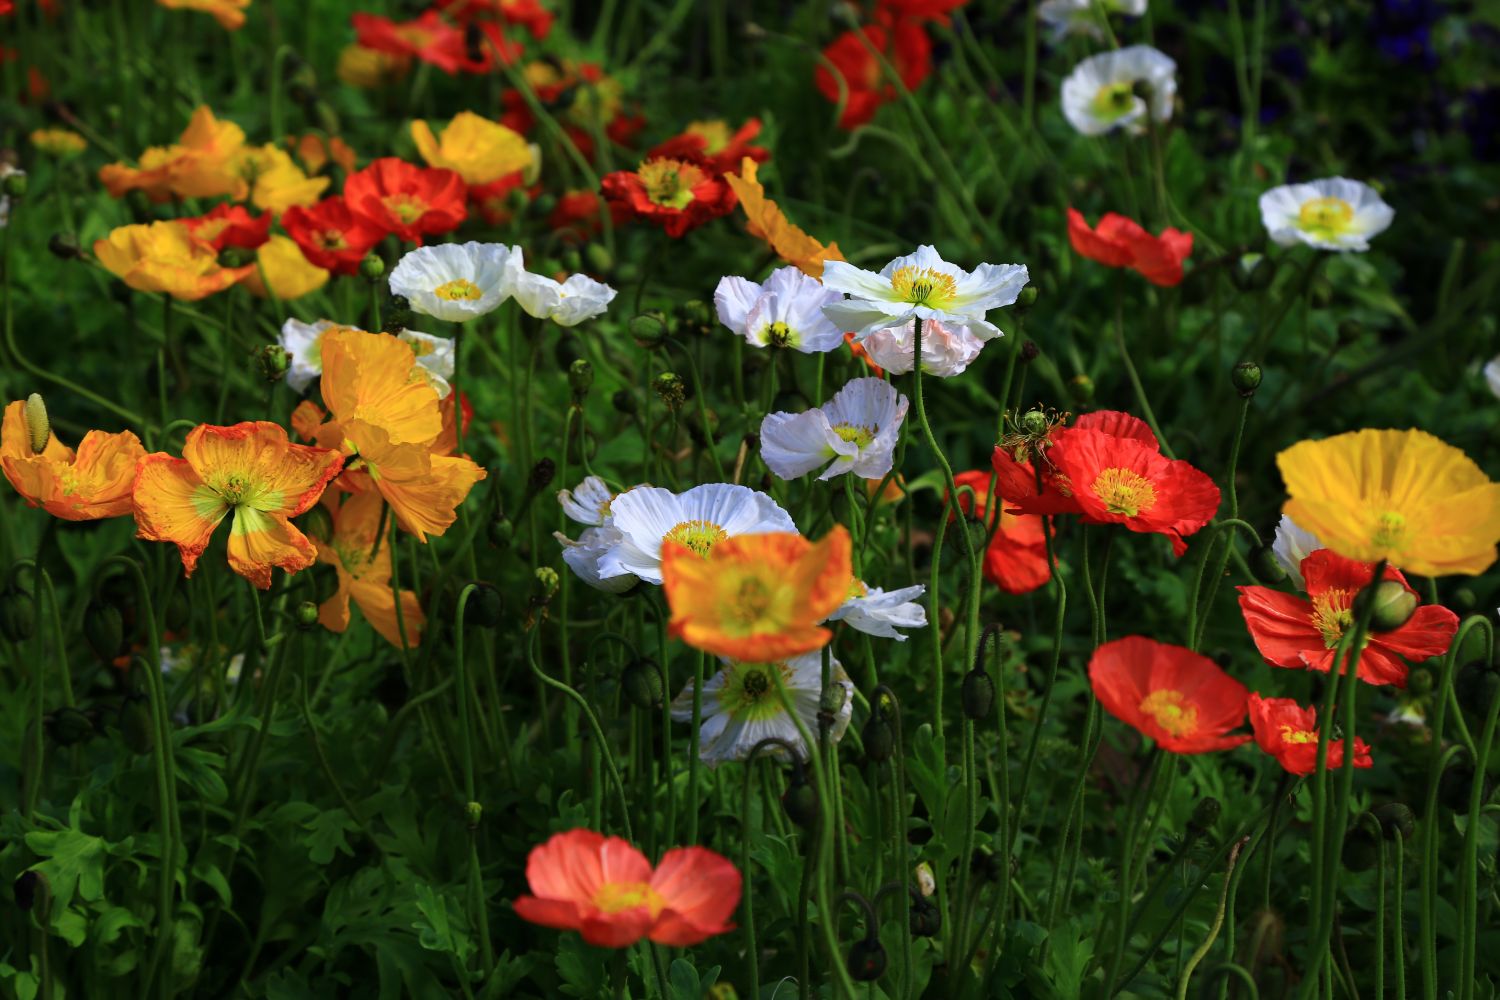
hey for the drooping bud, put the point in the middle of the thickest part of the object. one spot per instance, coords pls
(272, 361)
(104, 629)
(977, 694)
(473, 813)
(372, 266)
(1392, 606)
(671, 388)
(867, 960)
(640, 682)
(1205, 815)
(136, 727)
(38, 427)
(580, 378)
(800, 800)
(65, 246)
(17, 614)
(307, 616)
(1265, 567)
(926, 919)
(542, 474)
(484, 607)
(1246, 377)
(1396, 820)
(1026, 299)
(500, 530)
(648, 329)
(878, 738)
(70, 727)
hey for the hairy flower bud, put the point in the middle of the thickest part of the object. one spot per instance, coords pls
(598, 258)
(878, 738)
(272, 361)
(1027, 298)
(640, 682)
(866, 960)
(580, 377)
(1246, 378)
(473, 813)
(542, 474)
(648, 329)
(671, 388)
(500, 530)
(977, 694)
(1029, 351)
(1396, 820)
(104, 629)
(484, 607)
(38, 426)
(1265, 567)
(800, 800)
(1081, 388)
(1205, 815)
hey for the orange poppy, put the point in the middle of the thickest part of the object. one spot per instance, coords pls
(1121, 242)
(166, 257)
(767, 222)
(85, 485)
(363, 577)
(675, 194)
(196, 166)
(249, 469)
(407, 200)
(1172, 695)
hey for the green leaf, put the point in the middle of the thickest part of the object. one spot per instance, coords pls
(325, 836)
(437, 931)
(201, 769)
(580, 969)
(75, 862)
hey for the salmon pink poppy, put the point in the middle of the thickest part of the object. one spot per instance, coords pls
(1292, 632)
(606, 890)
(1175, 696)
(1015, 560)
(900, 40)
(331, 236)
(1121, 242)
(1289, 732)
(675, 194)
(410, 201)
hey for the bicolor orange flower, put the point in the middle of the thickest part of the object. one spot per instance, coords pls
(363, 577)
(1016, 558)
(1289, 732)
(767, 222)
(606, 890)
(1172, 695)
(229, 13)
(230, 226)
(165, 257)
(196, 166)
(407, 200)
(281, 268)
(675, 194)
(715, 145)
(1403, 496)
(91, 483)
(757, 597)
(1121, 242)
(1302, 634)
(250, 470)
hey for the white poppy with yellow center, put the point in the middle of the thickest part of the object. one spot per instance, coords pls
(455, 281)
(304, 342)
(566, 303)
(784, 311)
(880, 613)
(855, 431)
(1121, 89)
(1330, 214)
(588, 502)
(922, 286)
(699, 518)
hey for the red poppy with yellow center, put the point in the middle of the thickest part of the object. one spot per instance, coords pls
(1176, 697)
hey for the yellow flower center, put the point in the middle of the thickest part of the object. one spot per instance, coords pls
(715, 134)
(613, 897)
(1114, 100)
(417, 38)
(1390, 530)
(331, 239)
(778, 334)
(405, 207)
(700, 536)
(1290, 735)
(1325, 216)
(670, 183)
(924, 286)
(1332, 614)
(860, 437)
(1124, 491)
(459, 290)
(858, 589)
(1168, 709)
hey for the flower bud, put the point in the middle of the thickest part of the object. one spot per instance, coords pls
(104, 629)
(1392, 606)
(1464, 599)
(879, 738)
(1205, 815)
(695, 315)
(500, 530)
(65, 246)
(547, 581)
(15, 184)
(484, 607)
(307, 616)
(544, 203)
(977, 694)
(17, 615)
(867, 960)
(800, 800)
(648, 329)
(623, 402)
(1246, 378)
(38, 427)
(136, 728)
(671, 388)
(372, 266)
(272, 361)
(69, 727)
(542, 473)
(235, 257)
(1253, 272)
(926, 919)
(1081, 388)
(580, 377)
(1396, 820)
(473, 813)
(1265, 567)
(1419, 681)
(925, 879)
(640, 682)
(1026, 299)
(598, 258)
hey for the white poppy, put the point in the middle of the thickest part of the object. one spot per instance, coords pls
(857, 429)
(566, 303)
(1082, 17)
(588, 502)
(1331, 214)
(698, 518)
(434, 358)
(741, 707)
(1099, 95)
(946, 350)
(923, 286)
(584, 555)
(455, 281)
(876, 612)
(304, 342)
(786, 311)
(1492, 375)
(1292, 544)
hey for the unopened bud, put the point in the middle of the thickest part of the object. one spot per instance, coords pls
(571, 262)
(671, 388)
(1419, 681)
(1027, 298)
(1396, 820)
(640, 682)
(925, 879)
(1029, 351)
(867, 960)
(695, 315)
(136, 728)
(598, 258)
(372, 266)
(69, 727)
(977, 694)
(38, 427)
(65, 246)
(1246, 378)
(878, 738)
(500, 531)
(1391, 605)
(17, 615)
(801, 801)
(484, 606)
(104, 629)
(307, 616)
(926, 919)
(1081, 388)
(580, 377)
(1034, 423)
(648, 329)
(544, 203)
(272, 361)
(473, 813)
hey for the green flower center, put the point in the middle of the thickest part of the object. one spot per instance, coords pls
(1326, 217)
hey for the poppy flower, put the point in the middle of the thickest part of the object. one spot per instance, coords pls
(757, 597)
(477, 149)
(84, 485)
(1330, 214)
(229, 13)
(250, 470)
(230, 226)
(647, 517)
(930, 10)
(1292, 632)
(879, 612)
(363, 577)
(1015, 461)
(331, 236)
(606, 890)
(677, 195)
(854, 432)
(282, 270)
(1403, 496)
(1172, 695)
(581, 96)
(786, 310)
(196, 166)
(429, 38)
(901, 40)
(765, 221)
(369, 68)
(528, 14)
(946, 350)
(575, 217)
(1015, 560)
(59, 142)
(165, 257)
(921, 285)
(1099, 96)
(456, 281)
(566, 303)
(1289, 732)
(407, 200)
(713, 144)
(1121, 242)
(270, 179)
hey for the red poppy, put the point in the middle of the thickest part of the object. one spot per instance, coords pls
(1292, 632)
(528, 14)
(711, 143)
(486, 47)
(677, 195)
(1121, 242)
(230, 226)
(429, 38)
(407, 200)
(330, 235)
(606, 890)
(1175, 696)
(493, 200)
(1016, 558)
(1289, 732)
(901, 40)
(932, 10)
(581, 96)
(575, 218)
(1015, 462)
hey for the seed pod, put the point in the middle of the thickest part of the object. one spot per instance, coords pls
(1396, 820)
(1034, 423)
(372, 266)
(1264, 565)
(671, 388)
(136, 727)
(640, 683)
(977, 694)
(1246, 377)
(879, 739)
(1029, 352)
(800, 800)
(17, 614)
(484, 607)
(1360, 852)
(1205, 815)
(867, 960)
(648, 329)
(104, 629)
(473, 813)
(70, 727)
